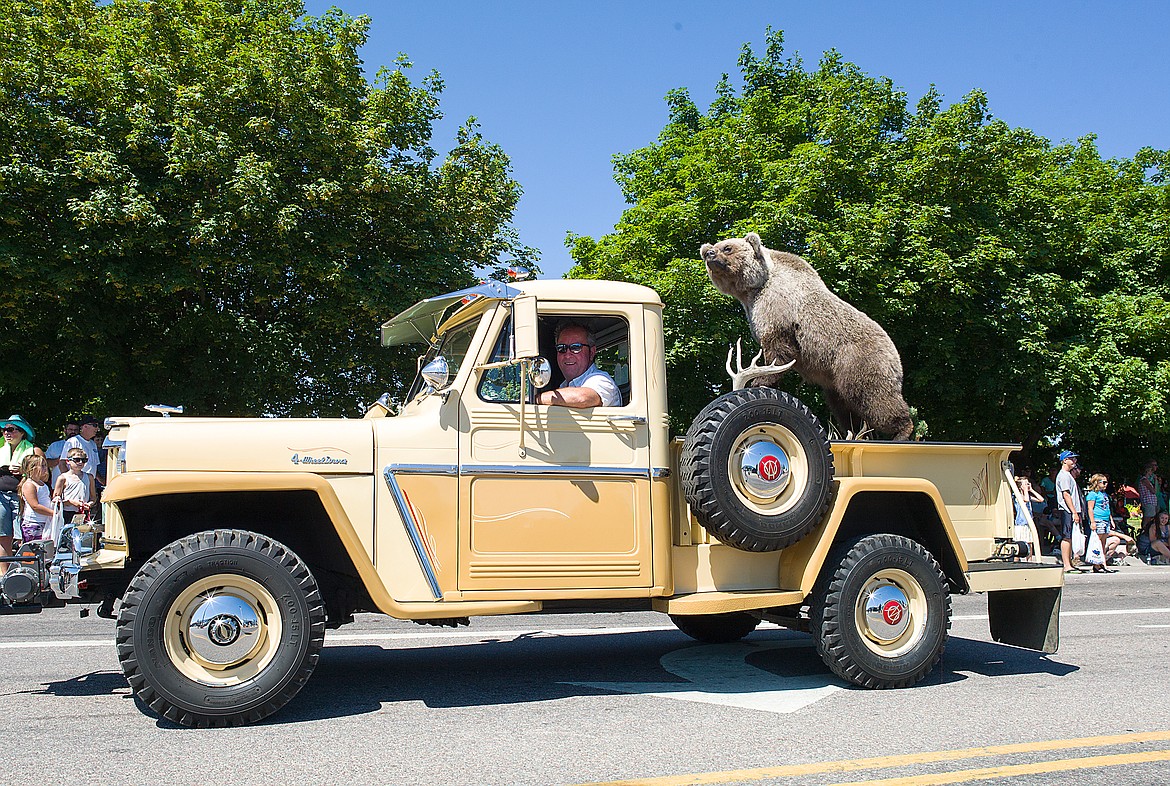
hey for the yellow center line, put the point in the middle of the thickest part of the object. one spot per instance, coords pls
(880, 762)
(1008, 771)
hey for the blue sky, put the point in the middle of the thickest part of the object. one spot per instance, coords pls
(563, 86)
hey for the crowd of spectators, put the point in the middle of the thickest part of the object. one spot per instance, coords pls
(34, 482)
(1073, 517)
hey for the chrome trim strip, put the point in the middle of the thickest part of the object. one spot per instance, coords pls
(660, 472)
(554, 469)
(423, 469)
(412, 530)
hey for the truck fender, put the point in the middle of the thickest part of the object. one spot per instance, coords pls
(801, 563)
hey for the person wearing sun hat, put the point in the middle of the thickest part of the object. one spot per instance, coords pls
(18, 437)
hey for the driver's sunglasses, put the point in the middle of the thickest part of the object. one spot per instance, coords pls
(575, 348)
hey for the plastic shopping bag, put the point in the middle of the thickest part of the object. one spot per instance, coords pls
(57, 524)
(1094, 553)
(1078, 540)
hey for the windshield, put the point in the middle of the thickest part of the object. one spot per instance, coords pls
(453, 346)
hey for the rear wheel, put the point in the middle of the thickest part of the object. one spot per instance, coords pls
(716, 628)
(220, 628)
(880, 616)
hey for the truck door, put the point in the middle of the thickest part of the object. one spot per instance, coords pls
(571, 511)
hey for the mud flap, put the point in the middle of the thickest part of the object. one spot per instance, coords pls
(1028, 618)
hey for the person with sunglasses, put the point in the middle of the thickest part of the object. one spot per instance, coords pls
(84, 441)
(75, 487)
(585, 384)
(18, 443)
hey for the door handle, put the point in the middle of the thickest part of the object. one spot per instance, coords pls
(636, 419)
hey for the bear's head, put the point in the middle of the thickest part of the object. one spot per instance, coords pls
(737, 267)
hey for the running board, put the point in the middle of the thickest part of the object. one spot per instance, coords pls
(726, 602)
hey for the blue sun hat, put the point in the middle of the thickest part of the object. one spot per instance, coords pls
(22, 424)
(1067, 454)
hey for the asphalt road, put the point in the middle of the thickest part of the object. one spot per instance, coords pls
(569, 699)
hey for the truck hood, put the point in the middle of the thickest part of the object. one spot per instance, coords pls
(322, 446)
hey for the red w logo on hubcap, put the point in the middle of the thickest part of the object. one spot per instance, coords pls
(892, 612)
(769, 468)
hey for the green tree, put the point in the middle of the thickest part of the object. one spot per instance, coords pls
(1023, 282)
(206, 202)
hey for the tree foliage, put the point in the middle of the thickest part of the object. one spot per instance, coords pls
(1024, 282)
(206, 202)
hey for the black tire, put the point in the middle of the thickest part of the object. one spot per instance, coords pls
(884, 646)
(716, 628)
(772, 509)
(220, 628)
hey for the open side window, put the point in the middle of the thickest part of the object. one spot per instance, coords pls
(612, 334)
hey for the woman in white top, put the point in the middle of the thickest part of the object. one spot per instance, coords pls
(35, 498)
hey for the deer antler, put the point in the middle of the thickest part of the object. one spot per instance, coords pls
(741, 378)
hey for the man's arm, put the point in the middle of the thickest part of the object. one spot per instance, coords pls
(577, 398)
(1068, 500)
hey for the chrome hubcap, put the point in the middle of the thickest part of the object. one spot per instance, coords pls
(223, 629)
(764, 470)
(887, 613)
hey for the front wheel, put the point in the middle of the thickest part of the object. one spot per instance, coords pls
(880, 615)
(220, 628)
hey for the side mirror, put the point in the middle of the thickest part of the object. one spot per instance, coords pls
(539, 373)
(527, 340)
(436, 373)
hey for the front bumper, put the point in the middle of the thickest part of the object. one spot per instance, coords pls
(80, 551)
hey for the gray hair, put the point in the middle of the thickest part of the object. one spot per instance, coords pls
(572, 323)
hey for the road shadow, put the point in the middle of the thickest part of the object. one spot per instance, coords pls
(96, 683)
(997, 660)
(351, 680)
(364, 678)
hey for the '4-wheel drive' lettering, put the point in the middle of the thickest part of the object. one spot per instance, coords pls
(468, 498)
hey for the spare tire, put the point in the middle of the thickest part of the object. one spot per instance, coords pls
(757, 470)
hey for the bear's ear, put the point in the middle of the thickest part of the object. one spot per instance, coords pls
(753, 240)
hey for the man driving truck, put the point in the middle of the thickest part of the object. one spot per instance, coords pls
(585, 384)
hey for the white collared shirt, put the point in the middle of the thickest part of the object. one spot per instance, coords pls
(596, 379)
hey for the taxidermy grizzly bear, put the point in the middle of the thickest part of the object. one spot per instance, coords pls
(794, 316)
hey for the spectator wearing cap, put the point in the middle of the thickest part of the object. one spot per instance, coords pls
(56, 452)
(84, 441)
(18, 443)
(1068, 500)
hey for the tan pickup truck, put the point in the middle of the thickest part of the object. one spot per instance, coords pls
(234, 543)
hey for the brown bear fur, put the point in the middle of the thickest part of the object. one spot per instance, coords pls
(793, 315)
